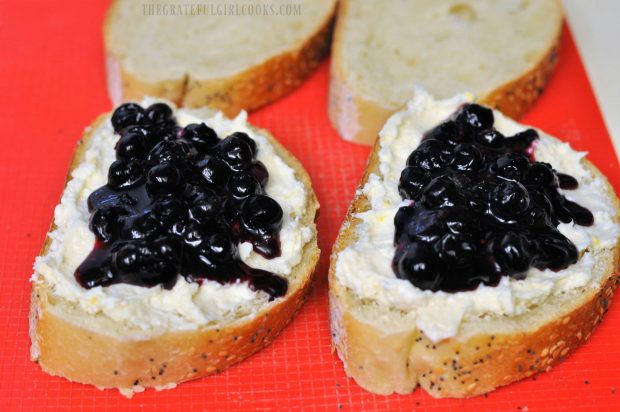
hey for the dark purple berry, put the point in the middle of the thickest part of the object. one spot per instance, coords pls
(241, 186)
(431, 156)
(442, 192)
(513, 253)
(174, 151)
(476, 117)
(490, 138)
(449, 132)
(215, 172)
(103, 223)
(220, 247)
(130, 146)
(542, 174)
(466, 158)
(250, 142)
(412, 181)
(261, 213)
(236, 152)
(522, 140)
(201, 136)
(511, 166)
(163, 179)
(158, 113)
(509, 199)
(128, 114)
(417, 265)
(259, 172)
(124, 174)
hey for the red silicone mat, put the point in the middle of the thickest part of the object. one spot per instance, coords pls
(52, 85)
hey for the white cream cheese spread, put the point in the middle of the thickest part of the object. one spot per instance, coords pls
(187, 305)
(364, 267)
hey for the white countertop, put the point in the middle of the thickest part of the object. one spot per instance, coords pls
(595, 25)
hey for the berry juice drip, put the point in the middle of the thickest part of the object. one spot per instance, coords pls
(481, 207)
(178, 201)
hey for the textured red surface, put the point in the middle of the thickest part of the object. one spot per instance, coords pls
(52, 86)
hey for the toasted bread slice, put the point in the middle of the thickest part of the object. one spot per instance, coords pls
(98, 346)
(503, 51)
(203, 54)
(462, 352)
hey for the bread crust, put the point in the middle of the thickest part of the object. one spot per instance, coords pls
(249, 89)
(102, 358)
(386, 361)
(358, 119)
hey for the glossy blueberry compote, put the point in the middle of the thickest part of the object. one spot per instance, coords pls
(481, 207)
(178, 201)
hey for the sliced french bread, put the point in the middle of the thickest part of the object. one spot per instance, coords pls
(132, 337)
(393, 337)
(504, 51)
(230, 57)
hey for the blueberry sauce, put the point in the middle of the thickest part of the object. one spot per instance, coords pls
(178, 201)
(481, 207)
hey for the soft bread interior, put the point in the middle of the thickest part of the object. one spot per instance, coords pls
(446, 47)
(205, 40)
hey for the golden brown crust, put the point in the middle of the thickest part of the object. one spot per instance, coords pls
(386, 361)
(247, 90)
(68, 349)
(359, 120)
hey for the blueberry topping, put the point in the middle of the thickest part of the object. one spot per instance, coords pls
(417, 265)
(131, 145)
(128, 114)
(176, 151)
(542, 174)
(178, 202)
(441, 192)
(567, 182)
(215, 172)
(158, 113)
(250, 142)
(220, 247)
(430, 155)
(241, 186)
(481, 207)
(201, 136)
(467, 158)
(261, 213)
(449, 132)
(490, 138)
(509, 199)
(124, 174)
(259, 172)
(511, 166)
(522, 140)
(236, 152)
(412, 181)
(475, 117)
(163, 179)
(103, 223)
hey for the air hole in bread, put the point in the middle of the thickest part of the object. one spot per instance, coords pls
(463, 12)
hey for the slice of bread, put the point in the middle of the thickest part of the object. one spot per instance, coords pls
(230, 57)
(504, 51)
(132, 337)
(393, 337)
